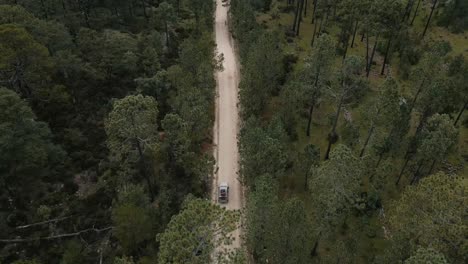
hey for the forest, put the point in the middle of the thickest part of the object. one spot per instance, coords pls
(105, 122)
(353, 134)
(354, 130)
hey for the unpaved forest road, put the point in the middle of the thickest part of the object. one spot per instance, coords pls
(227, 116)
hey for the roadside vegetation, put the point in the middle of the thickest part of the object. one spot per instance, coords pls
(106, 112)
(353, 140)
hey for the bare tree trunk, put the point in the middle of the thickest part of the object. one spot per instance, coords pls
(143, 5)
(430, 17)
(306, 7)
(386, 54)
(379, 160)
(300, 18)
(354, 33)
(367, 49)
(372, 55)
(313, 253)
(145, 170)
(60, 236)
(332, 134)
(310, 120)
(460, 113)
(416, 174)
(64, 7)
(167, 33)
(408, 8)
(320, 27)
(314, 13)
(346, 46)
(403, 170)
(416, 97)
(296, 15)
(369, 134)
(415, 12)
(432, 167)
(44, 9)
(313, 36)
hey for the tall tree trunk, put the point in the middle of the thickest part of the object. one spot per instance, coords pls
(369, 134)
(64, 7)
(311, 111)
(379, 160)
(372, 55)
(386, 54)
(313, 253)
(327, 15)
(317, 76)
(300, 18)
(145, 14)
(320, 27)
(346, 46)
(416, 96)
(422, 122)
(354, 33)
(367, 49)
(432, 167)
(460, 113)
(296, 15)
(416, 174)
(332, 135)
(167, 33)
(306, 7)
(415, 12)
(408, 8)
(403, 170)
(145, 170)
(314, 13)
(313, 35)
(430, 17)
(44, 9)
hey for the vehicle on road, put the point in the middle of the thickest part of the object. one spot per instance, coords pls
(223, 193)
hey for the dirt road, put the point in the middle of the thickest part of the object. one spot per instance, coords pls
(226, 124)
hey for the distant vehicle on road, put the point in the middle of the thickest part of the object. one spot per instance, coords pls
(223, 193)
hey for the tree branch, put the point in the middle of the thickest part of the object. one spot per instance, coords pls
(21, 240)
(43, 222)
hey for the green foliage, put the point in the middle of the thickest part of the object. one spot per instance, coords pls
(27, 153)
(132, 129)
(294, 231)
(67, 60)
(111, 53)
(276, 232)
(427, 256)
(335, 187)
(192, 235)
(73, 253)
(454, 15)
(261, 74)
(437, 138)
(123, 260)
(177, 139)
(23, 61)
(132, 226)
(262, 219)
(262, 152)
(430, 214)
